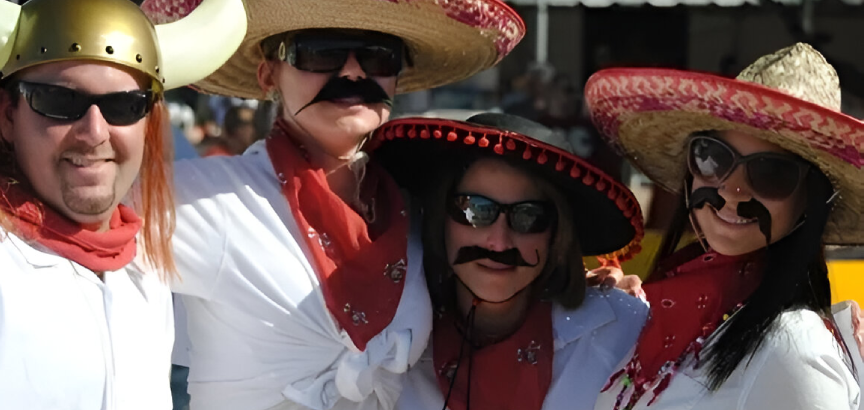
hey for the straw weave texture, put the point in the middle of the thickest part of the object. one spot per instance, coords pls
(649, 113)
(449, 40)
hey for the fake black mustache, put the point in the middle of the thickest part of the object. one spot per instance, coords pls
(510, 257)
(341, 87)
(750, 209)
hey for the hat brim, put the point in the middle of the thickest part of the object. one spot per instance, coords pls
(607, 217)
(649, 113)
(448, 41)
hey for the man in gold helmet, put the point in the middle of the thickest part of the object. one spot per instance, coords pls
(83, 324)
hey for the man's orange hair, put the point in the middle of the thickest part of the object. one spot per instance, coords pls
(156, 199)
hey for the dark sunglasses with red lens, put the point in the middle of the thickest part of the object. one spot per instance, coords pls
(66, 104)
(479, 211)
(771, 175)
(326, 51)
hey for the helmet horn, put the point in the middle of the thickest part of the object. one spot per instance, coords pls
(198, 44)
(9, 13)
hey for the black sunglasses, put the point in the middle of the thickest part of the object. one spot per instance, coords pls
(771, 175)
(61, 103)
(522, 217)
(325, 52)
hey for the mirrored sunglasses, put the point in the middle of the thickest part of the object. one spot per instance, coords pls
(522, 217)
(770, 175)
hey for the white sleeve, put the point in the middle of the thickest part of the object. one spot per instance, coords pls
(843, 316)
(800, 367)
(201, 233)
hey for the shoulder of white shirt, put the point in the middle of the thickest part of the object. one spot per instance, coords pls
(612, 311)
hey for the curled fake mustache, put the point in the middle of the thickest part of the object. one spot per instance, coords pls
(510, 257)
(340, 87)
(755, 209)
(750, 209)
(706, 195)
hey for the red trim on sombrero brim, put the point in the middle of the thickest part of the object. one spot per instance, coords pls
(614, 92)
(501, 142)
(494, 16)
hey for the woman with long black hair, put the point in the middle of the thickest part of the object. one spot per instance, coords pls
(770, 173)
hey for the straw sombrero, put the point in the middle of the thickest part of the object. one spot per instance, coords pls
(607, 217)
(447, 40)
(790, 98)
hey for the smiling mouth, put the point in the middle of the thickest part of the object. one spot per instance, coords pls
(737, 220)
(85, 162)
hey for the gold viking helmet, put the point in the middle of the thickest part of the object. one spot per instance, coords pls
(117, 31)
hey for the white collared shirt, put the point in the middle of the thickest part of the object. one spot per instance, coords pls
(843, 317)
(261, 335)
(70, 341)
(590, 341)
(799, 366)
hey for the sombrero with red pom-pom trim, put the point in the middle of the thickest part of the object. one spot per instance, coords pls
(447, 40)
(608, 220)
(790, 98)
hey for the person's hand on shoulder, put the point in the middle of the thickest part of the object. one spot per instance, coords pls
(611, 276)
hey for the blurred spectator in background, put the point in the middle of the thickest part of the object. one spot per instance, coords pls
(528, 93)
(238, 133)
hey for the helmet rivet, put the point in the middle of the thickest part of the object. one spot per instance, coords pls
(163, 81)
(43, 50)
(157, 69)
(75, 47)
(18, 56)
(138, 58)
(109, 50)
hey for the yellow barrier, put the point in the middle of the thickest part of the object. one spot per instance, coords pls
(847, 280)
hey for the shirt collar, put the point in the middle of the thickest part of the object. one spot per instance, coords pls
(572, 324)
(41, 258)
(34, 254)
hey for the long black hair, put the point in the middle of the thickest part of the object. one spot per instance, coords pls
(795, 276)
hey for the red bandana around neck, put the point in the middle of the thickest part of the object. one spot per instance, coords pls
(361, 274)
(686, 308)
(98, 251)
(513, 374)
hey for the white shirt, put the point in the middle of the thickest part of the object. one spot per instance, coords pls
(261, 335)
(69, 341)
(843, 317)
(799, 366)
(590, 341)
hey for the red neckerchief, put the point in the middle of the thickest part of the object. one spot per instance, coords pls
(98, 251)
(513, 374)
(686, 308)
(361, 274)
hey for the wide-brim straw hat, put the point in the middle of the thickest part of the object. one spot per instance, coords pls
(790, 98)
(607, 218)
(447, 40)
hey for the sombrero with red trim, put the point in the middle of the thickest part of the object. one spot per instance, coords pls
(607, 218)
(447, 40)
(790, 98)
